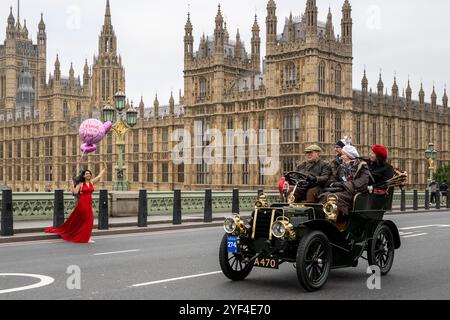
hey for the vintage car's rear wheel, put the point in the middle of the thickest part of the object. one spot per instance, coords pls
(233, 265)
(380, 250)
(313, 260)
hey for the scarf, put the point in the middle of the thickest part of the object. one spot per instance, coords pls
(350, 169)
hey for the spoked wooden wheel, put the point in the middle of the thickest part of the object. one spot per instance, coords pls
(233, 265)
(380, 251)
(313, 260)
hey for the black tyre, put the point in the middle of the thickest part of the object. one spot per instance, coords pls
(233, 265)
(380, 250)
(313, 260)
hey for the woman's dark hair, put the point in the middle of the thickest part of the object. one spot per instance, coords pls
(381, 161)
(80, 178)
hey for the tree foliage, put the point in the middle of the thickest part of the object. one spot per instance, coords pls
(443, 174)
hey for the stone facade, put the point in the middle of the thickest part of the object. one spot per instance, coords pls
(303, 88)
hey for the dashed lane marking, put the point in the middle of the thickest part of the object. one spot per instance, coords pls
(427, 226)
(415, 235)
(175, 279)
(116, 252)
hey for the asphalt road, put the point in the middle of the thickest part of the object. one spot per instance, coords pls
(183, 265)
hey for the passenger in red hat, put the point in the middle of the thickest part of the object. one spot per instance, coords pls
(379, 151)
(380, 169)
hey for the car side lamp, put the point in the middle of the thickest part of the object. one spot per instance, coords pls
(330, 208)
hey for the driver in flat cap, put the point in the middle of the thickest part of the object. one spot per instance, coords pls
(318, 173)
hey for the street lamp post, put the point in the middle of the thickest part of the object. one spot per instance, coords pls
(125, 122)
(430, 155)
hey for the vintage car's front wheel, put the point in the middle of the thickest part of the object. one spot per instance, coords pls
(380, 250)
(313, 260)
(233, 265)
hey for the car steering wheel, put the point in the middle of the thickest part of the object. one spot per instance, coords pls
(297, 178)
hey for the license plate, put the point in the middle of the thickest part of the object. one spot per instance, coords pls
(267, 263)
(232, 245)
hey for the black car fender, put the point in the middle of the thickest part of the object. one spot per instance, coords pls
(394, 231)
(335, 237)
(374, 225)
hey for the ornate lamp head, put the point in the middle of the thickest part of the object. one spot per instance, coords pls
(108, 113)
(119, 99)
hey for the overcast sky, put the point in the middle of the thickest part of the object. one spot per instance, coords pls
(406, 37)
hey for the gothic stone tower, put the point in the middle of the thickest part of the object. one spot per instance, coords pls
(17, 49)
(308, 80)
(108, 73)
(213, 75)
(305, 89)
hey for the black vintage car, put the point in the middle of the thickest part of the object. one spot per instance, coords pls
(308, 236)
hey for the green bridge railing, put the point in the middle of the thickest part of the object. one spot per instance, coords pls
(39, 206)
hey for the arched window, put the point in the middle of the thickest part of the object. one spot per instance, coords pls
(322, 77)
(49, 109)
(203, 87)
(338, 80)
(290, 74)
(65, 109)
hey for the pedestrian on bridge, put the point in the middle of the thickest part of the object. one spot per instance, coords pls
(79, 225)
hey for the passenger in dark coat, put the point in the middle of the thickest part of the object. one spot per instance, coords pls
(318, 173)
(336, 164)
(355, 180)
(379, 168)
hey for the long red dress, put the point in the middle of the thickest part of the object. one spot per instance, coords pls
(78, 227)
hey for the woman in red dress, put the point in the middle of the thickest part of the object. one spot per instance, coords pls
(78, 227)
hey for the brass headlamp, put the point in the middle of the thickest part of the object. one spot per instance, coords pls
(283, 229)
(235, 225)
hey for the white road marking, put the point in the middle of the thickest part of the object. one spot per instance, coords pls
(427, 226)
(405, 233)
(176, 279)
(116, 252)
(43, 281)
(415, 235)
(28, 243)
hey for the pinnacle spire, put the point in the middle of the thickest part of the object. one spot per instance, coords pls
(421, 94)
(25, 29)
(108, 13)
(42, 23)
(329, 26)
(188, 25)
(365, 82)
(255, 27)
(219, 17)
(11, 19)
(380, 85)
(445, 99)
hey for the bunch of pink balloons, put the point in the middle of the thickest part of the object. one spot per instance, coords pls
(92, 131)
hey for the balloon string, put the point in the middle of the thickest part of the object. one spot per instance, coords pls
(81, 159)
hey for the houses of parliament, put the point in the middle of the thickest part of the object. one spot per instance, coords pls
(302, 87)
